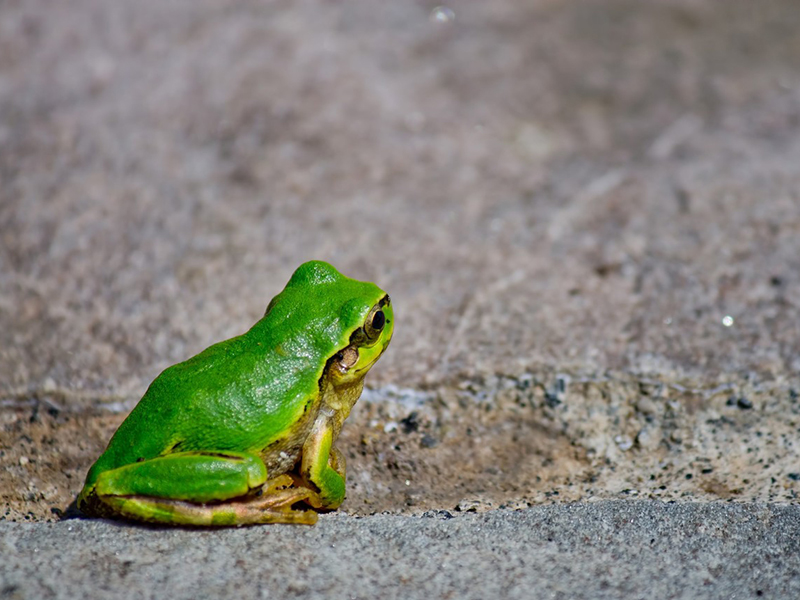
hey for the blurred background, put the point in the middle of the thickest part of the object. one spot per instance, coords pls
(552, 191)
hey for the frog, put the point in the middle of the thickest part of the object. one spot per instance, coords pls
(243, 433)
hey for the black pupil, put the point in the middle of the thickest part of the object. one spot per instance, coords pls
(378, 320)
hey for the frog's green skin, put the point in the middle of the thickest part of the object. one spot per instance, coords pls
(242, 431)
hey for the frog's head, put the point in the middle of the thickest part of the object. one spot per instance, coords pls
(371, 327)
(348, 323)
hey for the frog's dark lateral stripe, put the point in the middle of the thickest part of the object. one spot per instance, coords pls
(328, 363)
(223, 455)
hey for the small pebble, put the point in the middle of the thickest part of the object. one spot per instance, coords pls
(437, 514)
(624, 442)
(410, 423)
(646, 406)
(648, 439)
(428, 441)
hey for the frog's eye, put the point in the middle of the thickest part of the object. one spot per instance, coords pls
(374, 325)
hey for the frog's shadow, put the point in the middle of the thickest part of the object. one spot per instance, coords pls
(71, 512)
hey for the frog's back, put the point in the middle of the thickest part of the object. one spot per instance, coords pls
(237, 395)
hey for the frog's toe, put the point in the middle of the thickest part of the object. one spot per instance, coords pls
(275, 507)
(276, 498)
(276, 484)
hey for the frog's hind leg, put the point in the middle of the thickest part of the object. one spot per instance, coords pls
(274, 505)
(196, 488)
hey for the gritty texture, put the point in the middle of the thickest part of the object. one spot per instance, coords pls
(586, 213)
(621, 549)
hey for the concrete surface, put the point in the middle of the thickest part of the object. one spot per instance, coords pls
(586, 212)
(608, 550)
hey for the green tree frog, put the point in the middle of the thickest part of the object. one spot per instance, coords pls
(244, 431)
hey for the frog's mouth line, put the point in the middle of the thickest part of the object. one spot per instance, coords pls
(374, 360)
(367, 366)
(353, 371)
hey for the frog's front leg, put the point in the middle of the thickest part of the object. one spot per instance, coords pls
(196, 488)
(323, 466)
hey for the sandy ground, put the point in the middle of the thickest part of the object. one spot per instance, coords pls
(519, 446)
(586, 213)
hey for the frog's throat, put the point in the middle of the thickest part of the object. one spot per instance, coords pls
(341, 396)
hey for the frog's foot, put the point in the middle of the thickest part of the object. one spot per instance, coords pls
(272, 505)
(277, 498)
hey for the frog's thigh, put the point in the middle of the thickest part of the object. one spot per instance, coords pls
(323, 466)
(193, 476)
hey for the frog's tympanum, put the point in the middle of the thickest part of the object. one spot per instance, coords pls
(243, 432)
